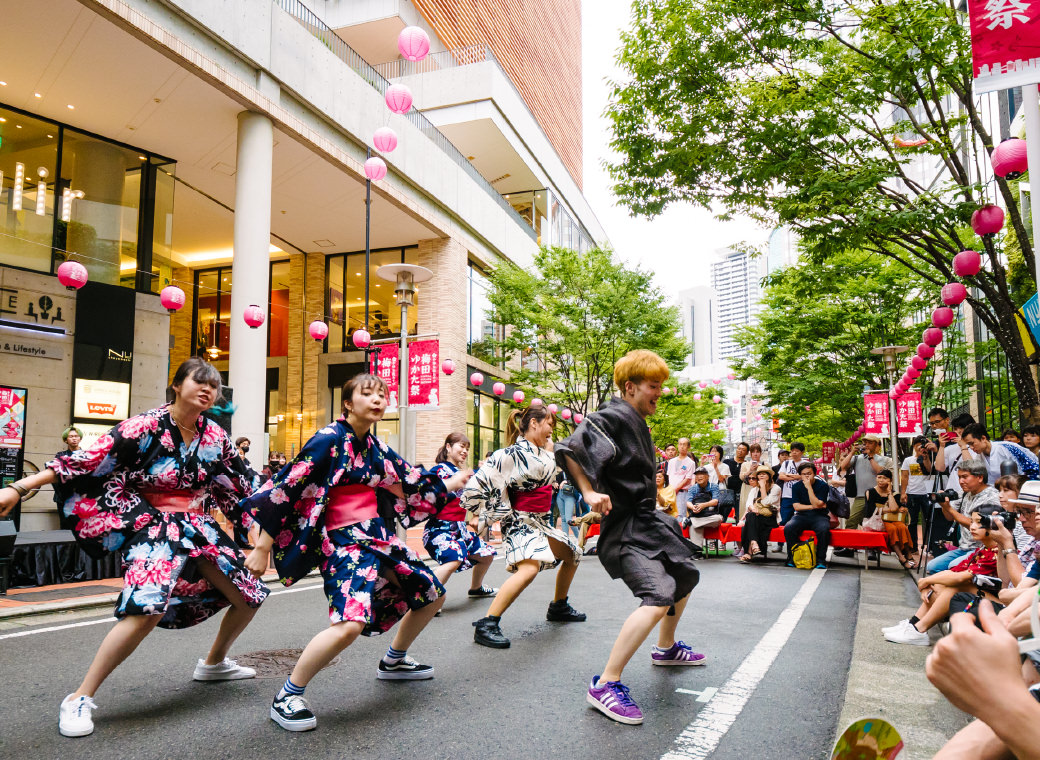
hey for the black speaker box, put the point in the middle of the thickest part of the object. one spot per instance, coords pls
(8, 533)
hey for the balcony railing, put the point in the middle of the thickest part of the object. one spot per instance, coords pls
(349, 56)
(449, 59)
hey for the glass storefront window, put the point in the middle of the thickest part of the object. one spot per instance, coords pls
(162, 225)
(278, 308)
(28, 166)
(481, 329)
(213, 313)
(532, 206)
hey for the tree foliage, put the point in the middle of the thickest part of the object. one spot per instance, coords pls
(573, 315)
(679, 416)
(852, 121)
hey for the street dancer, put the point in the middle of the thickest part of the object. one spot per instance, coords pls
(447, 538)
(146, 489)
(322, 510)
(611, 458)
(514, 485)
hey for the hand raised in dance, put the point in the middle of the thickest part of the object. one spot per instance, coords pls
(9, 499)
(458, 480)
(598, 502)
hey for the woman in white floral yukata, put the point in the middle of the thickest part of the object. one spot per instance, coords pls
(146, 489)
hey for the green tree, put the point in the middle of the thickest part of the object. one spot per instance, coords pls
(572, 316)
(828, 117)
(679, 416)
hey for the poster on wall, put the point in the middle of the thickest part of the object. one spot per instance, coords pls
(424, 374)
(12, 417)
(1005, 43)
(101, 400)
(385, 366)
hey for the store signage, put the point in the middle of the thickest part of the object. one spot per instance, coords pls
(424, 374)
(24, 309)
(101, 400)
(1004, 48)
(12, 417)
(32, 349)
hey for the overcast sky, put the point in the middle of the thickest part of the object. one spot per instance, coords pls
(678, 245)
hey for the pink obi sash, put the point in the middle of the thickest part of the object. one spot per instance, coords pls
(172, 501)
(452, 512)
(350, 504)
(538, 500)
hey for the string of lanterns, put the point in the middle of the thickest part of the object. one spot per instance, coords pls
(499, 388)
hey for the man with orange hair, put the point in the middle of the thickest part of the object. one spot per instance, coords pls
(611, 459)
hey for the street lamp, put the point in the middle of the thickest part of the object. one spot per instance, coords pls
(405, 277)
(890, 353)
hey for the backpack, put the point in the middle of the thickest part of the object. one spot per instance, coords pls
(838, 503)
(803, 553)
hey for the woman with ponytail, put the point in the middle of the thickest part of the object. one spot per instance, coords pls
(447, 537)
(514, 486)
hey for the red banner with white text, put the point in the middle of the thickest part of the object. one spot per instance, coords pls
(1005, 43)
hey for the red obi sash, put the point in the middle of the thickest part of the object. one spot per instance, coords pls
(350, 504)
(538, 500)
(172, 501)
(453, 511)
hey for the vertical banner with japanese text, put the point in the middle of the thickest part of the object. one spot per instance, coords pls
(875, 413)
(385, 365)
(827, 451)
(1005, 43)
(909, 419)
(424, 374)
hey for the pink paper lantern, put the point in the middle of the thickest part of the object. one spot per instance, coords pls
(910, 381)
(398, 98)
(413, 43)
(716, 380)
(518, 397)
(1009, 158)
(942, 317)
(808, 408)
(716, 399)
(498, 388)
(552, 408)
(72, 275)
(172, 298)
(925, 351)
(448, 366)
(953, 293)
(702, 384)
(731, 376)
(536, 402)
(361, 338)
(375, 168)
(987, 220)
(755, 402)
(918, 363)
(318, 330)
(696, 397)
(932, 336)
(566, 414)
(743, 419)
(578, 418)
(967, 263)
(476, 378)
(714, 422)
(385, 140)
(254, 316)
(913, 374)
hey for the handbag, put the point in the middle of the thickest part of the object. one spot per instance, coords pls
(725, 501)
(838, 503)
(762, 510)
(874, 523)
(850, 479)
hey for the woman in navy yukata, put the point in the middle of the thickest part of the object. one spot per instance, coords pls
(146, 489)
(330, 509)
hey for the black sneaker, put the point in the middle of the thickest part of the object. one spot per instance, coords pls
(562, 612)
(405, 670)
(483, 591)
(291, 713)
(844, 553)
(488, 634)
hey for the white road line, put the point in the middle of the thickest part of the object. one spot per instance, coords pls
(111, 619)
(699, 739)
(704, 695)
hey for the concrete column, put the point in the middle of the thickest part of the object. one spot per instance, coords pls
(247, 365)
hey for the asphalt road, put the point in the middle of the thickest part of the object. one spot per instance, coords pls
(524, 702)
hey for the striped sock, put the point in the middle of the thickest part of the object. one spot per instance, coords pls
(394, 656)
(290, 688)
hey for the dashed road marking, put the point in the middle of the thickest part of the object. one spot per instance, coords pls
(704, 695)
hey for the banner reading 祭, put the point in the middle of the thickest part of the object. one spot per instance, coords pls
(909, 420)
(1005, 43)
(423, 373)
(385, 366)
(875, 413)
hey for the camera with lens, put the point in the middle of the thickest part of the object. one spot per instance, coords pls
(939, 498)
(1007, 519)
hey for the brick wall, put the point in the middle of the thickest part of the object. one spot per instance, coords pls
(306, 303)
(180, 321)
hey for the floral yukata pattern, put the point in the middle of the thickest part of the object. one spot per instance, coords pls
(100, 489)
(370, 575)
(452, 540)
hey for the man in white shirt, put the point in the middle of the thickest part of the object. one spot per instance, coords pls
(949, 456)
(787, 477)
(680, 474)
(997, 454)
(916, 479)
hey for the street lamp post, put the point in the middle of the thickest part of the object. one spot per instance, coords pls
(890, 353)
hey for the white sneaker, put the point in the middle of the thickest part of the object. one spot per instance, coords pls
(898, 626)
(74, 716)
(908, 635)
(228, 670)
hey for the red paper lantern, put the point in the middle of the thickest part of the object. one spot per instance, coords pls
(413, 43)
(552, 408)
(518, 397)
(318, 330)
(942, 317)
(566, 414)
(913, 374)
(967, 263)
(361, 338)
(385, 140)
(536, 402)
(918, 363)
(1009, 158)
(398, 98)
(925, 351)
(476, 378)
(987, 220)
(498, 388)
(932, 336)
(953, 293)
(172, 298)
(254, 316)
(375, 168)
(448, 366)
(72, 275)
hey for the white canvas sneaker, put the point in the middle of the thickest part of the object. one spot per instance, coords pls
(228, 670)
(74, 716)
(908, 635)
(898, 626)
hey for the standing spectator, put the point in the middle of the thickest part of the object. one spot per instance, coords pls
(759, 514)
(1031, 438)
(748, 474)
(273, 465)
(665, 495)
(735, 464)
(995, 453)
(810, 506)
(973, 475)
(71, 436)
(680, 473)
(882, 497)
(954, 449)
(866, 464)
(702, 509)
(720, 474)
(1012, 435)
(788, 476)
(667, 453)
(781, 457)
(916, 477)
(567, 501)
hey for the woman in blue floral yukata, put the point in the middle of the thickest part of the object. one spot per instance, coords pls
(331, 509)
(448, 536)
(146, 489)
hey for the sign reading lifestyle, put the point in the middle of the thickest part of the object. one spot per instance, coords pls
(1005, 43)
(909, 420)
(423, 373)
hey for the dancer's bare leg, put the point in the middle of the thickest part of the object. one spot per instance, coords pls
(320, 651)
(481, 565)
(568, 567)
(666, 633)
(526, 571)
(637, 627)
(237, 617)
(120, 642)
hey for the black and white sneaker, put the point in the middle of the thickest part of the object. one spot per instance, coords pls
(405, 670)
(291, 713)
(483, 591)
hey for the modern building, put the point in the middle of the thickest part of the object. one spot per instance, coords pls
(736, 290)
(220, 147)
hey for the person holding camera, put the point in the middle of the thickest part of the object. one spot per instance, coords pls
(948, 447)
(865, 463)
(972, 477)
(916, 477)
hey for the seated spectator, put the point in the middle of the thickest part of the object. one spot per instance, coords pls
(760, 513)
(583, 523)
(1011, 435)
(748, 477)
(809, 500)
(938, 590)
(1031, 438)
(719, 474)
(666, 495)
(881, 498)
(702, 505)
(972, 475)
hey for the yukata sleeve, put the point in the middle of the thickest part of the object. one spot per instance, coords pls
(487, 493)
(424, 491)
(592, 446)
(118, 449)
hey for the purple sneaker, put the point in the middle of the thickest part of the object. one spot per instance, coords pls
(677, 654)
(611, 698)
